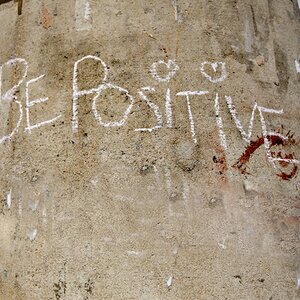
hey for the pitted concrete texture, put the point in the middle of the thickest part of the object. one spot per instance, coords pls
(149, 149)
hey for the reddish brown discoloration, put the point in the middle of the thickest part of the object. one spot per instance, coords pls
(292, 221)
(221, 163)
(274, 140)
(46, 17)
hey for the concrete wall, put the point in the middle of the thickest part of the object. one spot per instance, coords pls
(149, 149)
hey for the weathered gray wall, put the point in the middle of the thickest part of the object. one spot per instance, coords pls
(184, 211)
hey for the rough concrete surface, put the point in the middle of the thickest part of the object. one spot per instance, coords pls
(149, 149)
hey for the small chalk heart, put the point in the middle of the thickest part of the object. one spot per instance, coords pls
(171, 67)
(215, 66)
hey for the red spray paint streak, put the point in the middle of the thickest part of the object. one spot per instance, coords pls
(274, 140)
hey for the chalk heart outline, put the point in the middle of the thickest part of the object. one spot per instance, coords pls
(214, 66)
(171, 67)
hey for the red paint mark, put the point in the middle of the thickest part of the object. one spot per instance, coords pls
(285, 175)
(274, 140)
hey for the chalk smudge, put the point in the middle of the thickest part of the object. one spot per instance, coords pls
(32, 234)
(83, 15)
(8, 200)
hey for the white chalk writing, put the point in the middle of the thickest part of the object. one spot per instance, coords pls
(187, 94)
(102, 88)
(32, 103)
(231, 107)
(77, 93)
(10, 94)
(218, 69)
(219, 121)
(154, 107)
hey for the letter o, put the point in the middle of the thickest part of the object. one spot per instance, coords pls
(120, 123)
